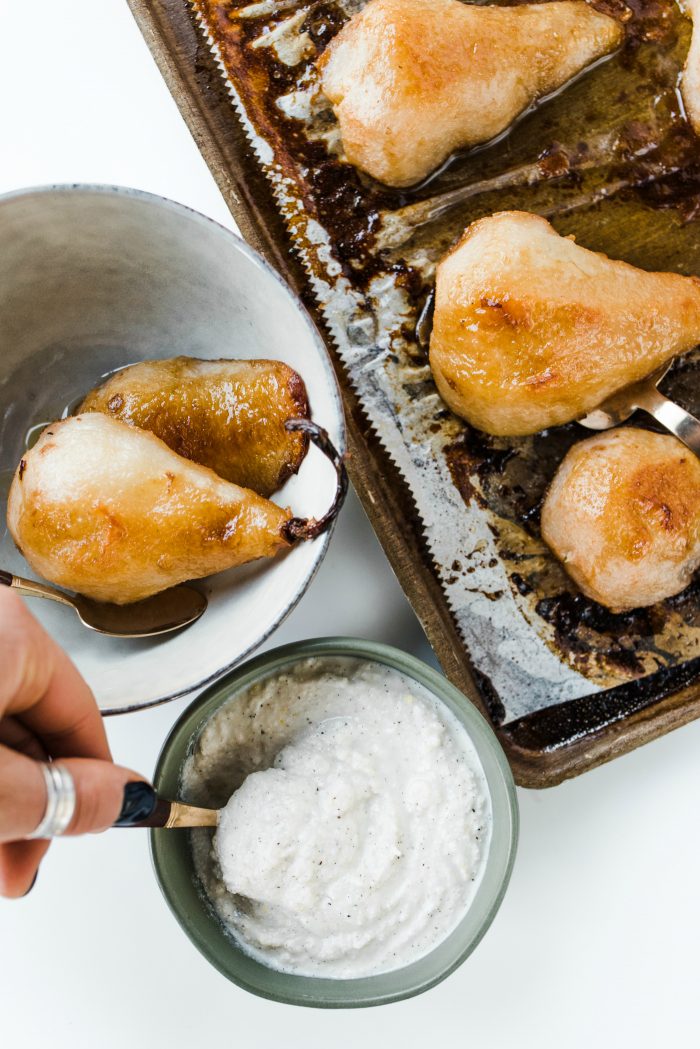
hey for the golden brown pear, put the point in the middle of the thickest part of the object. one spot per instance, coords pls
(531, 330)
(623, 517)
(110, 511)
(228, 415)
(690, 79)
(411, 81)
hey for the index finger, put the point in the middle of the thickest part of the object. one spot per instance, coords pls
(42, 687)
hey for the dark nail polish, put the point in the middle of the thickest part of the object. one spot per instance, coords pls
(139, 802)
(36, 875)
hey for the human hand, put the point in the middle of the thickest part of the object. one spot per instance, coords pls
(46, 711)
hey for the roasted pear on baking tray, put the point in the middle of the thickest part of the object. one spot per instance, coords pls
(623, 516)
(532, 330)
(411, 81)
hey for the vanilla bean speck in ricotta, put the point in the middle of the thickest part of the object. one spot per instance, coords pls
(356, 819)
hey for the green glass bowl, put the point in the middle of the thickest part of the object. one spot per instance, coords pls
(174, 867)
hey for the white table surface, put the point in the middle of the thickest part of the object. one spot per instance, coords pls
(596, 942)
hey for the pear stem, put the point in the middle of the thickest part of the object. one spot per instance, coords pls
(303, 528)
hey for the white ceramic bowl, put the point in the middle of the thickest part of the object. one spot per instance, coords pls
(95, 278)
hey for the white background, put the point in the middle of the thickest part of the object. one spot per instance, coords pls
(596, 940)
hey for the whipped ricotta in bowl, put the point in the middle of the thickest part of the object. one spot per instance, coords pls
(358, 822)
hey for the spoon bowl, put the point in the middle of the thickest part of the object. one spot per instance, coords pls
(170, 610)
(618, 408)
(644, 395)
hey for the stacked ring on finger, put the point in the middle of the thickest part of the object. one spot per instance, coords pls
(60, 801)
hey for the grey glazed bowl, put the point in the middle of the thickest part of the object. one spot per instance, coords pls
(174, 868)
(93, 278)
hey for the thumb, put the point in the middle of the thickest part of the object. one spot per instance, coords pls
(99, 790)
(99, 793)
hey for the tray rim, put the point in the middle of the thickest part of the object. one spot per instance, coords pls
(247, 193)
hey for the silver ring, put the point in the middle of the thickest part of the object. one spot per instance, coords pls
(60, 802)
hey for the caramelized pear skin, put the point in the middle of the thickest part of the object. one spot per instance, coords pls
(228, 415)
(413, 81)
(108, 510)
(690, 79)
(623, 516)
(531, 330)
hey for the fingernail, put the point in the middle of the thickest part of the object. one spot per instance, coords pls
(36, 874)
(139, 802)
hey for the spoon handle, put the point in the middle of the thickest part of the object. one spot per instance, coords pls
(676, 419)
(175, 814)
(32, 589)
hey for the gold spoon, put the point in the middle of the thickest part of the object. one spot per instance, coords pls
(644, 395)
(150, 810)
(170, 610)
(175, 814)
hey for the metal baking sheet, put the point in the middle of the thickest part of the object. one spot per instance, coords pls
(610, 159)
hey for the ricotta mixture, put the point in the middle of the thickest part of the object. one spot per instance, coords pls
(359, 824)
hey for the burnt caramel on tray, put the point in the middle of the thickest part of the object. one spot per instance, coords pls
(618, 166)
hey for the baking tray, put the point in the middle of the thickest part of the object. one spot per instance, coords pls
(545, 747)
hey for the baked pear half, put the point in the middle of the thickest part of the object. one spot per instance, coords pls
(532, 330)
(108, 510)
(228, 415)
(623, 517)
(412, 81)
